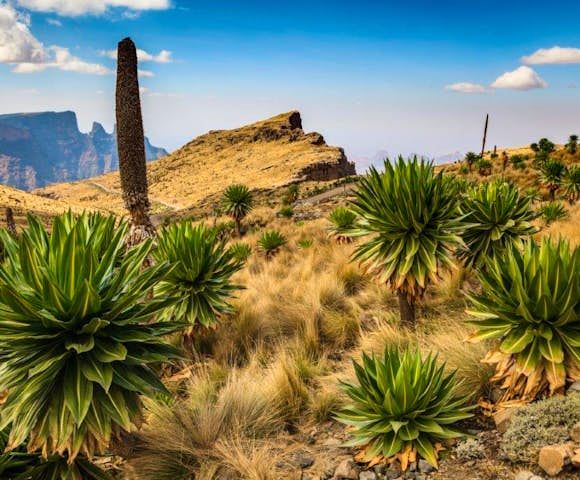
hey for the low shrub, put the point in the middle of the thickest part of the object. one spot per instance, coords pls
(545, 422)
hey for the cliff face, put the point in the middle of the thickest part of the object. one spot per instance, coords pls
(37, 149)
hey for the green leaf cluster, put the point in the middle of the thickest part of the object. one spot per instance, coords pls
(530, 303)
(201, 281)
(402, 402)
(496, 217)
(411, 218)
(77, 343)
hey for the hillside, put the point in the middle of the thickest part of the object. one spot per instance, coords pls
(37, 149)
(265, 155)
(23, 203)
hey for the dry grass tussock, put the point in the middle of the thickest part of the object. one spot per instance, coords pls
(272, 367)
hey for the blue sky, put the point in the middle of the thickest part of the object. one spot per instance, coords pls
(412, 76)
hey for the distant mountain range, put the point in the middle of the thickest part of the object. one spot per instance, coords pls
(37, 149)
(363, 163)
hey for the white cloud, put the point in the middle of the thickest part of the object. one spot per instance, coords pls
(522, 78)
(21, 49)
(17, 44)
(554, 55)
(143, 90)
(62, 59)
(164, 56)
(145, 73)
(467, 87)
(54, 22)
(92, 7)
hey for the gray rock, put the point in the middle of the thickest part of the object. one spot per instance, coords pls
(575, 387)
(367, 475)
(420, 476)
(303, 461)
(346, 471)
(412, 466)
(425, 466)
(380, 469)
(393, 472)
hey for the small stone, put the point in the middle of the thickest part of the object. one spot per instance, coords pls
(346, 471)
(380, 469)
(367, 475)
(524, 475)
(575, 433)
(536, 477)
(425, 466)
(331, 442)
(575, 387)
(503, 419)
(553, 458)
(412, 466)
(420, 476)
(471, 463)
(576, 458)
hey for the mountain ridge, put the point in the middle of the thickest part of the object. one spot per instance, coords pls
(40, 148)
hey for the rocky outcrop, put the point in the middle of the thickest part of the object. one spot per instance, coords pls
(37, 149)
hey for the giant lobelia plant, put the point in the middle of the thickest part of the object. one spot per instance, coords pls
(201, 281)
(411, 218)
(78, 346)
(402, 405)
(496, 217)
(530, 305)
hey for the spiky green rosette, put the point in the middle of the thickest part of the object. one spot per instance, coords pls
(202, 278)
(77, 342)
(411, 217)
(530, 304)
(496, 217)
(342, 221)
(402, 405)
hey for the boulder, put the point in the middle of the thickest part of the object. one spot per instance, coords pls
(553, 458)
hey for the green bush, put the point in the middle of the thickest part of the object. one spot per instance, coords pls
(78, 344)
(286, 212)
(241, 251)
(305, 243)
(342, 222)
(545, 422)
(200, 282)
(402, 403)
(409, 216)
(496, 217)
(529, 304)
(238, 202)
(484, 167)
(270, 242)
(572, 183)
(552, 211)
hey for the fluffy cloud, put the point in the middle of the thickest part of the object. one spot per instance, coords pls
(92, 7)
(21, 49)
(522, 78)
(145, 73)
(54, 22)
(17, 44)
(164, 56)
(467, 87)
(554, 55)
(62, 59)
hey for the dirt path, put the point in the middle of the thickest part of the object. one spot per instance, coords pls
(111, 191)
(321, 197)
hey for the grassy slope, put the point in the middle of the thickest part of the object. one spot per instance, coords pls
(264, 155)
(23, 203)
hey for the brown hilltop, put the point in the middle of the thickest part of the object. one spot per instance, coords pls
(264, 155)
